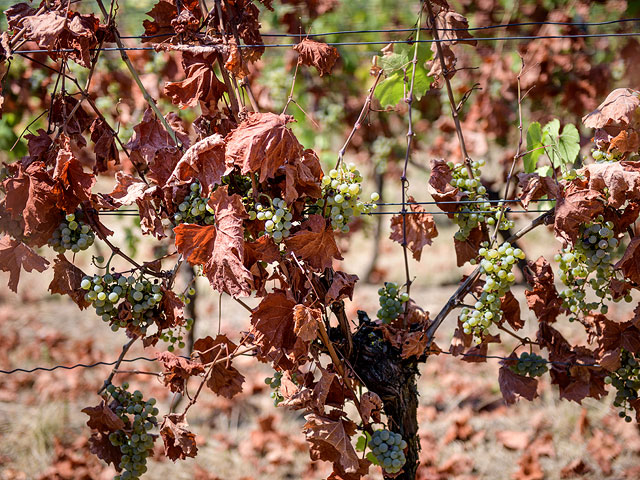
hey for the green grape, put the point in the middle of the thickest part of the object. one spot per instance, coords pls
(194, 208)
(496, 265)
(277, 218)
(136, 445)
(530, 364)
(479, 210)
(588, 263)
(388, 448)
(391, 302)
(626, 381)
(342, 189)
(72, 234)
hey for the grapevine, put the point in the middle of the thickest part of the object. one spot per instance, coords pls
(496, 264)
(479, 209)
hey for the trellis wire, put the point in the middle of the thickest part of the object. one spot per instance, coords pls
(405, 30)
(339, 44)
(149, 359)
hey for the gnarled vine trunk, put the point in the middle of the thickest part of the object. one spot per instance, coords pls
(384, 372)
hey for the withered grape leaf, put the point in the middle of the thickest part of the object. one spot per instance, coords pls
(219, 248)
(621, 180)
(617, 108)
(306, 320)
(303, 177)
(103, 419)
(201, 85)
(629, 264)
(14, 256)
(330, 442)
(263, 143)
(316, 246)
(72, 185)
(317, 54)
(573, 210)
(177, 370)
(420, 229)
(513, 385)
(179, 442)
(66, 281)
(273, 324)
(543, 298)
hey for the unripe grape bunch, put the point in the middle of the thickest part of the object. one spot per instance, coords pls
(276, 216)
(479, 209)
(72, 234)
(107, 292)
(601, 156)
(194, 208)
(135, 441)
(530, 364)
(275, 382)
(341, 192)
(496, 265)
(391, 301)
(626, 381)
(388, 448)
(592, 253)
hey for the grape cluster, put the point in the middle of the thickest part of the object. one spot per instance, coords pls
(107, 292)
(591, 254)
(479, 210)
(276, 216)
(176, 337)
(626, 381)
(388, 448)
(134, 440)
(275, 382)
(72, 234)
(341, 189)
(194, 208)
(602, 156)
(530, 364)
(391, 301)
(496, 264)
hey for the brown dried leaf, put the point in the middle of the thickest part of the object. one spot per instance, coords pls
(511, 309)
(513, 385)
(420, 229)
(342, 285)
(513, 440)
(414, 345)
(315, 243)
(177, 370)
(72, 186)
(330, 442)
(306, 322)
(303, 177)
(179, 442)
(620, 179)
(103, 419)
(618, 108)
(629, 264)
(105, 147)
(627, 141)
(66, 281)
(273, 325)
(203, 161)
(535, 187)
(370, 406)
(220, 247)
(263, 143)
(14, 256)
(573, 210)
(317, 54)
(543, 299)
(101, 446)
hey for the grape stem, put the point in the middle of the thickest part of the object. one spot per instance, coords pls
(125, 349)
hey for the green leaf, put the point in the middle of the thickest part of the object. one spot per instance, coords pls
(372, 458)
(545, 171)
(534, 141)
(564, 148)
(362, 442)
(392, 89)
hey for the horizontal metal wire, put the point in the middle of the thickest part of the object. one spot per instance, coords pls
(148, 359)
(411, 212)
(337, 44)
(404, 30)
